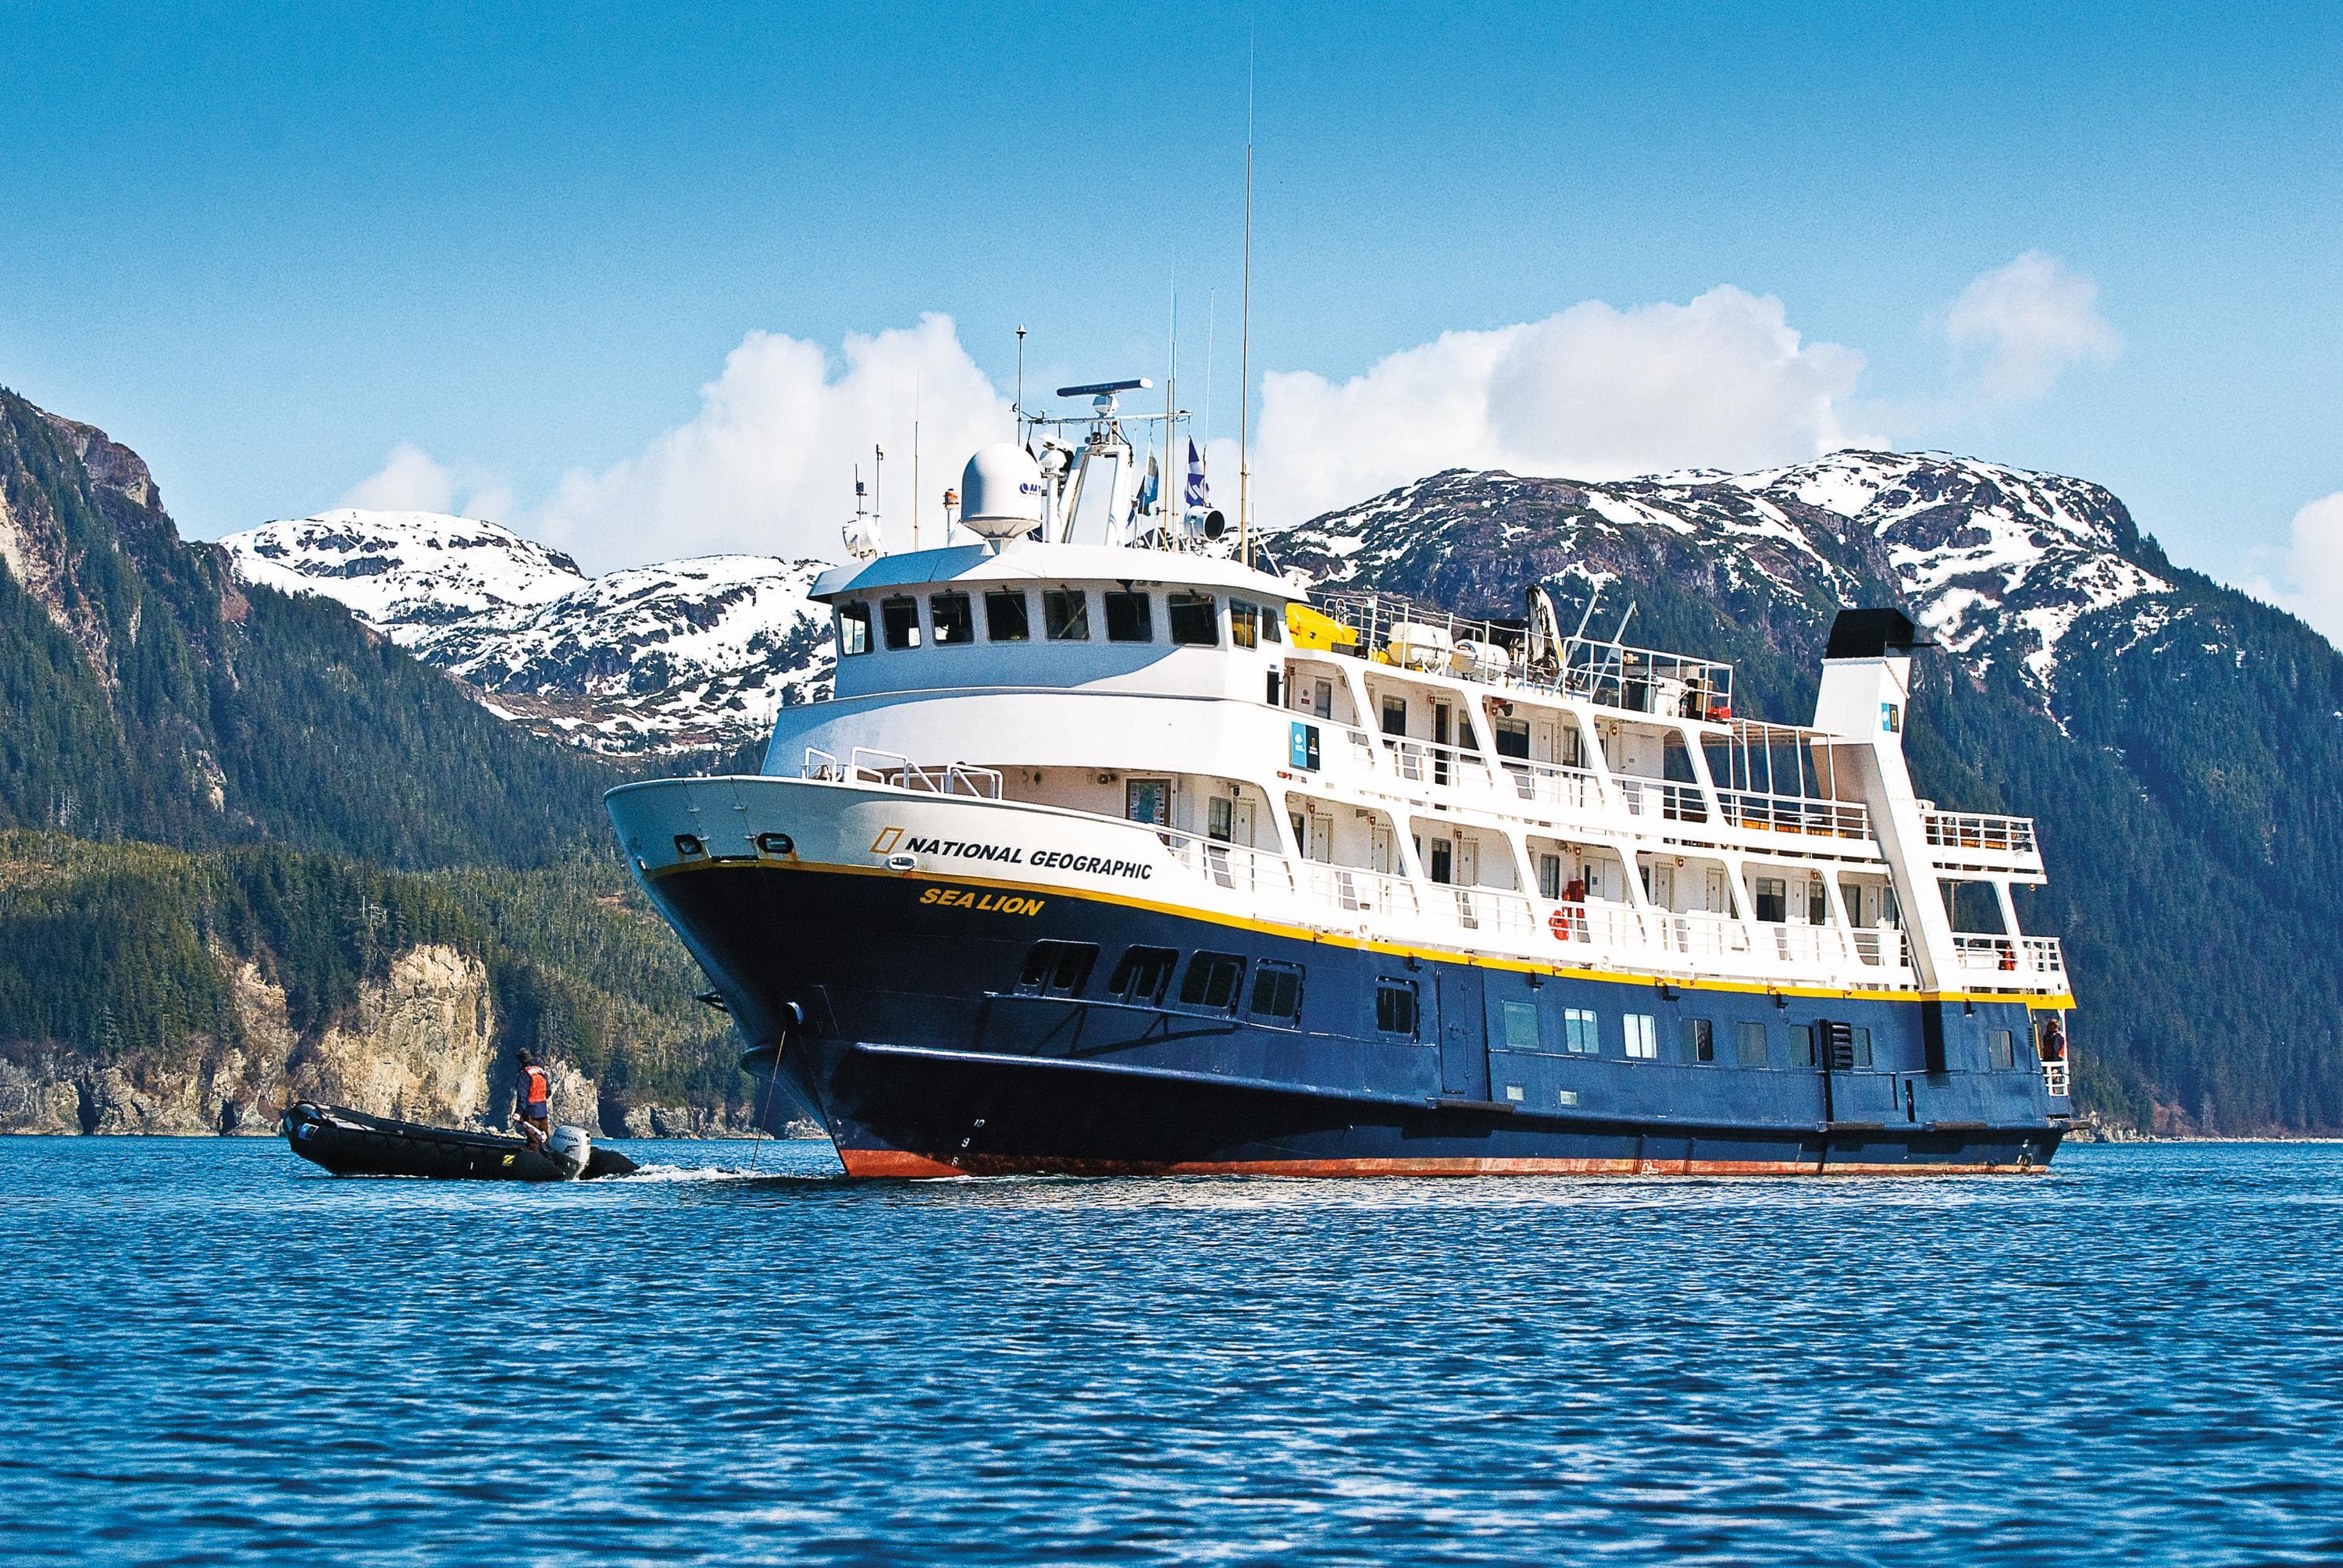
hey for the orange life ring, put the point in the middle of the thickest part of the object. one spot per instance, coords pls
(1559, 924)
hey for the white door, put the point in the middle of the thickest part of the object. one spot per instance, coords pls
(1241, 823)
(1468, 862)
(1715, 902)
(1663, 887)
(1379, 849)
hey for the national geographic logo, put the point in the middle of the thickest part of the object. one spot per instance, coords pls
(894, 840)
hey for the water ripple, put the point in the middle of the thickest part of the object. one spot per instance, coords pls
(212, 1353)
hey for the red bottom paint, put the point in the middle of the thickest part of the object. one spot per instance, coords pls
(896, 1163)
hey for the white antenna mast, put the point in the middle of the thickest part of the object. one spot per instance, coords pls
(1171, 381)
(916, 383)
(1019, 407)
(1244, 353)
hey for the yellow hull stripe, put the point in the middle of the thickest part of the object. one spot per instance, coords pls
(2058, 1002)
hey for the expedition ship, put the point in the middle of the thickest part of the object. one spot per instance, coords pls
(1113, 852)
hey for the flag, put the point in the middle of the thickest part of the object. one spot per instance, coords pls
(1195, 492)
(1149, 487)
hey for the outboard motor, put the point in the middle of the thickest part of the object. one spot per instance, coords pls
(570, 1149)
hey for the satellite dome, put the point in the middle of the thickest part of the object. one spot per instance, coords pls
(1000, 492)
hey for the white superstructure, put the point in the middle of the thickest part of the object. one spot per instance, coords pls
(1388, 775)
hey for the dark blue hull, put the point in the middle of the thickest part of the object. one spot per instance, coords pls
(912, 1020)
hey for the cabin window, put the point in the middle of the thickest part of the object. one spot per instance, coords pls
(1321, 700)
(1802, 1045)
(1751, 1043)
(900, 619)
(1277, 993)
(2001, 1048)
(1057, 968)
(1148, 800)
(1699, 1040)
(853, 629)
(1642, 1036)
(1772, 899)
(1550, 878)
(1818, 905)
(1129, 617)
(948, 617)
(1219, 819)
(1513, 737)
(1862, 1046)
(1005, 616)
(1066, 614)
(1141, 974)
(1244, 624)
(1581, 1033)
(1395, 715)
(1395, 1007)
(1272, 624)
(1194, 622)
(1443, 861)
(1211, 982)
(1522, 1026)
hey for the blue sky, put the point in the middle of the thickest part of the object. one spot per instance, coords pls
(266, 246)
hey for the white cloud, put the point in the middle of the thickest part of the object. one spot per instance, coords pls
(766, 465)
(407, 481)
(2309, 567)
(1593, 393)
(2020, 327)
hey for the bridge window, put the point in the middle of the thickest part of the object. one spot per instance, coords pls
(1699, 1040)
(1005, 616)
(1395, 1007)
(948, 614)
(1244, 624)
(1277, 993)
(1143, 973)
(1751, 1043)
(1522, 1027)
(1212, 981)
(853, 629)
(1272, 624)
(1194, 622)
(900, 619)
(1057, 968)
(1128, 617)
(1581, 1032)
(1066, 613)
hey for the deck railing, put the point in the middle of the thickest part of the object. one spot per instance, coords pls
(2032, 957)
(1552, 784)
(1795, 814)
(869, 765)
(1968, 830)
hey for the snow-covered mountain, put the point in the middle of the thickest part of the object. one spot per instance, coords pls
(687, 655)
(1999, 563)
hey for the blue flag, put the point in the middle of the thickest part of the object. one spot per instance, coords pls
(1194, 496)
(1147, 488)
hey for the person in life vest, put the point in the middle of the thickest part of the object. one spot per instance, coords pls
(533, 1095)
(2054, 1039)
(1573, 907)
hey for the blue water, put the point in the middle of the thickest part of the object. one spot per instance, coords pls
(211, 1351)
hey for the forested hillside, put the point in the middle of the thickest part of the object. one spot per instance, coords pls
(238, 825)
(144, 694)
